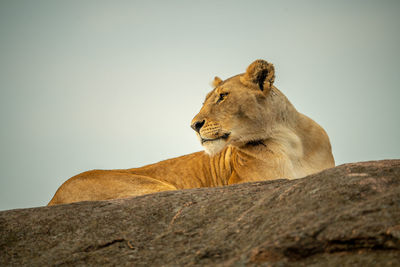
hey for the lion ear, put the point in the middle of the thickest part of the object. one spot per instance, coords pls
(260, 73)
(217, 81)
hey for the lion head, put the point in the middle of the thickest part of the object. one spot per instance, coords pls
(240, 110)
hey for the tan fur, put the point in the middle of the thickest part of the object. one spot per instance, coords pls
(217, 81)
(250, 131)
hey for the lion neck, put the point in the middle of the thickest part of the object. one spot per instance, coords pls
(277, 126)
(280, 145)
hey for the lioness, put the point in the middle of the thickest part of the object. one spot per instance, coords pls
(250, 132)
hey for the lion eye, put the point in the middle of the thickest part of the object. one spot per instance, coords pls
(222, 97)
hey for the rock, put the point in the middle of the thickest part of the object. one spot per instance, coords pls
(345, 216)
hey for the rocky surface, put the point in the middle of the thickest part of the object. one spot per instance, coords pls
(345, 216)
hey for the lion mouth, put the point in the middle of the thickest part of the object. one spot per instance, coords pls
(224, 137)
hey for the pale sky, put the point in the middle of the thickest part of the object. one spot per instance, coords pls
(114, 84)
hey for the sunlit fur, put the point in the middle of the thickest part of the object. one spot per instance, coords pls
(250, 131)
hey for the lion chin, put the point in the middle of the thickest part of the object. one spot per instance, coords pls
(213, 147)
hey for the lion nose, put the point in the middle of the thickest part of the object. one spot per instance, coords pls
(197, 125)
